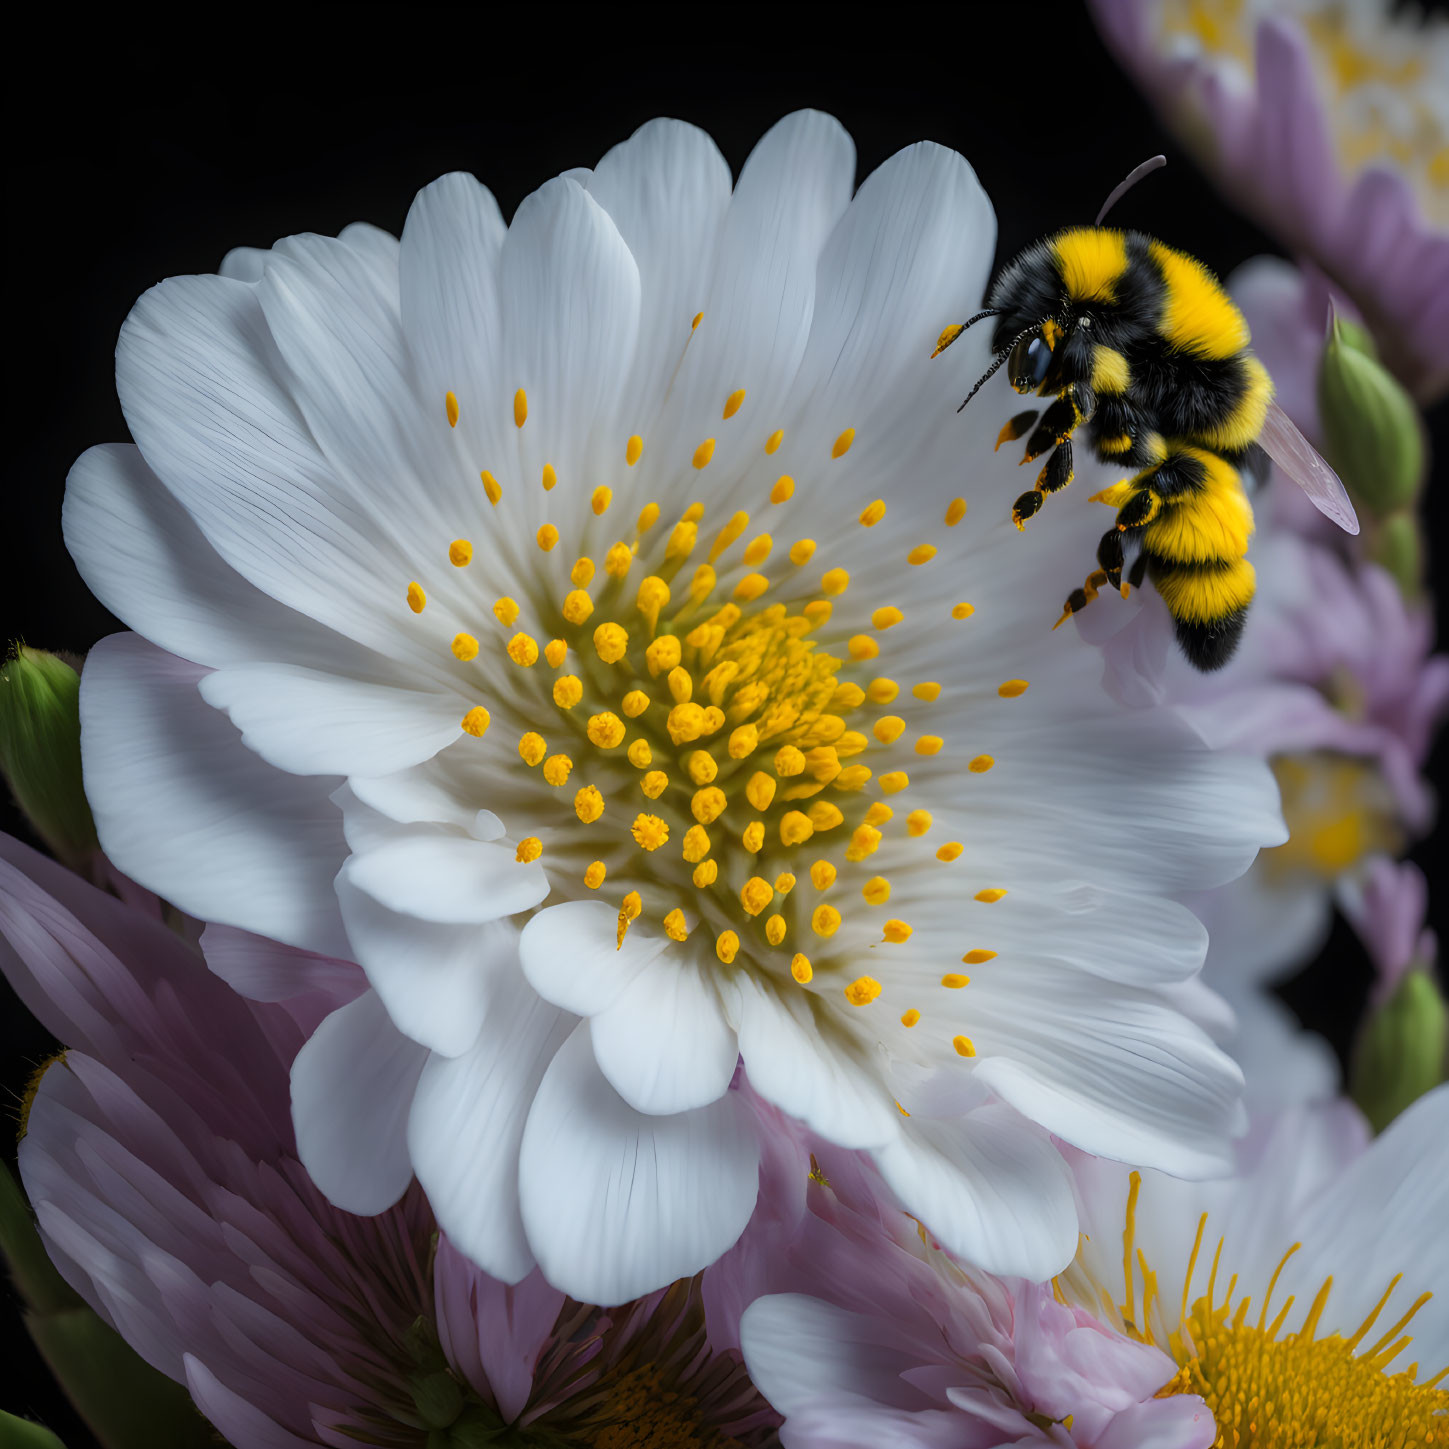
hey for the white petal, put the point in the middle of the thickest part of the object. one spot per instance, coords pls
(992, 1190)
(664, 1044)
(186, 810)
(821, 1082)
(571, 956)
(617, 1204)
(352, 1087)
(448, 878)
(467, 1123)
(435, 979)
(314, 723)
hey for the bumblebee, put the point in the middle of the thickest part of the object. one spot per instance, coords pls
(1139, 346)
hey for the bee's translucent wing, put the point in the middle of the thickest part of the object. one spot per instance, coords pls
(1300, 460)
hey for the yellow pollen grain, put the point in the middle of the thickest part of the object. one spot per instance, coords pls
(981, 764)
(775, 929)
(557, 768)
(634, 704)
(617, 560)
(755, 895)
(802, 552)
(873, 513)
(784, 489)
(773, 442)
(929, 691)
(862, 991)
(1012, 688)
(417, 599)
(675, 926)
(834, 581)
(701, 766)
(600, 499)
(728, 534)
(649, 831)
(547, 537)
(705, 874)
(594, 875)
(822, 875)
(633, 449)
(681, 540)
(549, 478)
(743, 741)
(611, 642)
(758, 549)
(733, 402)
(450, 405)
(520, 407)
(929, 745)
(954, 982)
(910, 1018)
(750, 587)
(879, 813)
(529, 849)
(955, 512)
(465, 647)
(588, 804)
(685, 722)
(703, 453)
(789, 761)
(629, 910)
(965, 1047)
(894, 781)
(801, 969)
(921, 554)
(648, 517)
(568, 691)
(950, 851)
(886, 618)
(825, 920)
(752, 837)
(695, 845)
(841, 445)
(701, 586)
(784, 883)
(698, 318)
(506, 611)
(862, 647)
(864, 842)
(795, 828)
(877, 890)
(977, 957)
(882, 691)
(846, 698)
(606, 730)
(460, 553)
(962, 611)
(727, 946)
(896, 932)
(523, 651)
(708, 804)
(853, 777)
(531, 748)
(652, 595)
(918, 822)
(825, 816)
(639, 753)
(492, 488)
(681, 684)
(476, 721)
(654, 784)
(582, 572)
(554, 652)
(990, 895)
(760, 790)
(818, 612)
(889, 728)
(577, 606)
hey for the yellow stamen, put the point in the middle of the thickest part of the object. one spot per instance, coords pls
(882, 691)
(648, 517)
(639, 753)
(751, 587)
(955, 512)
(417, 599)
(606, 730)
(1012, 688)
(774, 440)
(555, 651)
(784, 883)
(802, 552)
(877, 890)
(783, 490)
(825, 920)
(951, 851)
(726, 946)
(981, 764)
(888, 728)
(704, 453)
(633, 449)
(921, 554)
(897, 932)
(529, 849)
(775, 929)
(492, 488)
(894, 781)
(568, 691)
(506, 611)
(879, 813)
(654, 784)
(520, 408)
(873, 513)
(910, 1018)
(450, 405)
(594, 875)
(928, 692)
(929, 745)
(675, 926)
(523, 651)
(601, 498)
(990, 895)
(841, 446)
(801, 969)
(531, 748)
(465, 647)
(978, 957)
(611, 642)
(588, 804)
(476, 721)
(577, 606)
(962, 611)
(862, 646)
(863, 990)
(918, 822)
(556, 769)
(547, 537)
(649, 832)
(628, 912)
(755, 895)
(954, 982)
(834, 581)
(705, 873)
(460, 553)
(886, 618)
(549, 478)
(965, 1047)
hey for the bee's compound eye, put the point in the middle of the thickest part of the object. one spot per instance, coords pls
(1028, 363)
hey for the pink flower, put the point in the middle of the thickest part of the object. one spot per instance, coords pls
(160, 1162)
(1387, 907)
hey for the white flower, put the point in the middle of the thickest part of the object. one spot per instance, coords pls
(608, 576)
(1308, 1294)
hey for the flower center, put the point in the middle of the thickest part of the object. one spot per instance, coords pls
(1275, 1390)
(1338, 811)
(695, 740)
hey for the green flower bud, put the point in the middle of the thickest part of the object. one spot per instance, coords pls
(1397, 545)
(438, 1397)
(1372, 432)
(26, 1434)
(1400, 1052)
(40, 750)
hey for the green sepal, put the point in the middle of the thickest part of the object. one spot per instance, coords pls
(1372, 432)
(26, 1434)
(1401, 1049)
(40, 750)
(1397, 545)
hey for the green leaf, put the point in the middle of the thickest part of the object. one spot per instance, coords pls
(26, 1434)
(34, 1275)
(1401, 1051)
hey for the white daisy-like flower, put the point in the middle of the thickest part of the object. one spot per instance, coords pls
(594, 600)
(1306, 1297)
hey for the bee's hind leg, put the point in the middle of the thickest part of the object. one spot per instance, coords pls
(1078, 599)
(1054, 476)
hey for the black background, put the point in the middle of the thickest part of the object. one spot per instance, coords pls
(152, 154)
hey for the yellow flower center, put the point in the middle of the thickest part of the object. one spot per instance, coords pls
(1268, 1389)
(1338, 811)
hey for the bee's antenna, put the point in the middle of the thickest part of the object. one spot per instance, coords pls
(972, 321)
(1000, 358)
(1126, 185)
